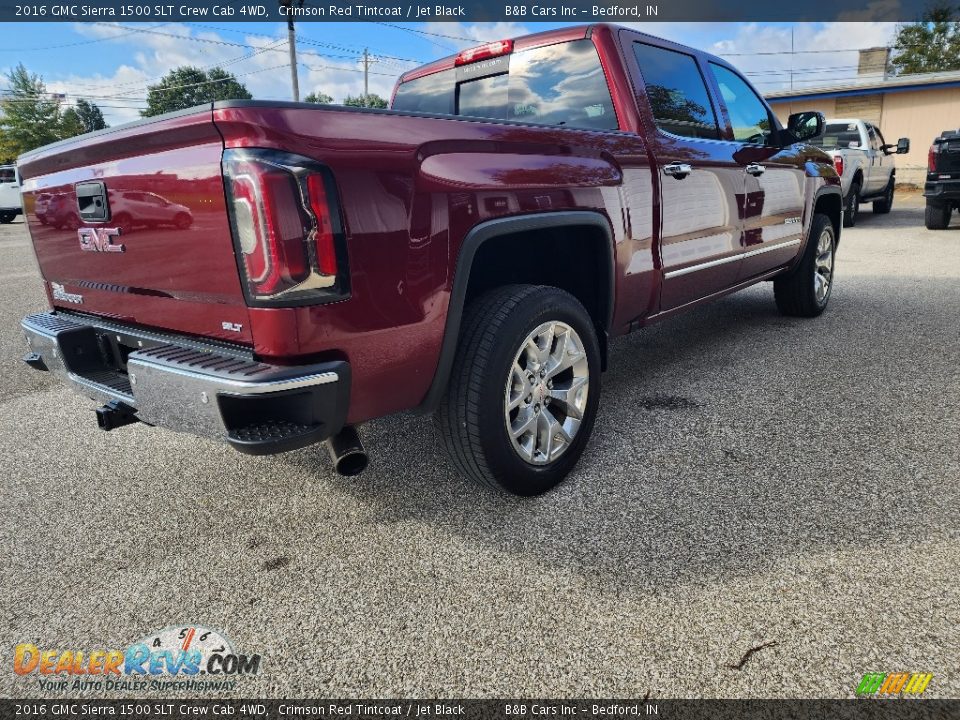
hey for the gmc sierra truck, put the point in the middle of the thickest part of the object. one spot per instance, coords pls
(862, 159)
(468, 252)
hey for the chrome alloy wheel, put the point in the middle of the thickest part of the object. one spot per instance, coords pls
(546, 393)
(823, 274)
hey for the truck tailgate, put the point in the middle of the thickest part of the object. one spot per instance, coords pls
(160, 252)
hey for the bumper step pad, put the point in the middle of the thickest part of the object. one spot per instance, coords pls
(264, 438)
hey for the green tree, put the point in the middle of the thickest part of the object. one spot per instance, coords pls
(372, 101)
(930, 45)
(187, 86)
(31, 117)
(318, 97)
(90, 116)
(70, 124)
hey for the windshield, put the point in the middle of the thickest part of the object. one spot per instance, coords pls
(838, 135)
(560, 84)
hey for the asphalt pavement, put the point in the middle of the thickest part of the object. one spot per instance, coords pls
(754, 482)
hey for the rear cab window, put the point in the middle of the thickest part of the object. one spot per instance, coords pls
(561, 84)
(838, 135)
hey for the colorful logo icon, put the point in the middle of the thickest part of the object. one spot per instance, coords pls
(893, 684)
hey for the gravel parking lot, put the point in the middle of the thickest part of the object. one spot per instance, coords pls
(753, 481)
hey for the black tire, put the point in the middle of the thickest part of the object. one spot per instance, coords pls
(852, 209)
(937, 215)
(883, 205)
(7, 218)
(471, 417)
(796, 293)
(182, 221)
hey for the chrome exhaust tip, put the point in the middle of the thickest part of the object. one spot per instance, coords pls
(347, 452)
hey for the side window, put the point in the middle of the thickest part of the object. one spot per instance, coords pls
(677, 92)
(880, 137)
(749, 115)
(872, 135)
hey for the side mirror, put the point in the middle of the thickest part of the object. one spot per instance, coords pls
(806, 125)
(901, 148)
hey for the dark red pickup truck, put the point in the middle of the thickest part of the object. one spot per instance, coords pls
(273, 274)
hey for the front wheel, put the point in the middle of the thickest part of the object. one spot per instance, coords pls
(937, 215)
(7, 218)
(805, 292)
(525, 387)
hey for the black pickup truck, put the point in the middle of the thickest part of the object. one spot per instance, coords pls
(942, 189)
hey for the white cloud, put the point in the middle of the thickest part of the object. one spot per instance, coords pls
(833, 56)
(263, 68)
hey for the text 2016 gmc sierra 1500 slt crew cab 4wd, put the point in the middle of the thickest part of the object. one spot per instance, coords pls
(469, 252)
(862, 159)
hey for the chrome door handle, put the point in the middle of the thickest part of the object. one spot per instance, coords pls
(677, 170)
(755, 169)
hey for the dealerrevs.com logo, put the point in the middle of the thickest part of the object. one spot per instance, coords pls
(187, 657)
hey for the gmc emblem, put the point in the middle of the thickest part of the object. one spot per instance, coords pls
(99, 239)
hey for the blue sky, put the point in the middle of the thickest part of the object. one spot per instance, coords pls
(112, 64)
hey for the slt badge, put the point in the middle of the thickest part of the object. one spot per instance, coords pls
(99, 239)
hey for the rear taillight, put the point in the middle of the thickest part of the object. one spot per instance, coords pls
(838, 164)
(932, 158)
(286, 228)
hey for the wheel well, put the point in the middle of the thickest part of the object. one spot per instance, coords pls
(831, 205)
(858, 176)
(573, 258)
(569, 249)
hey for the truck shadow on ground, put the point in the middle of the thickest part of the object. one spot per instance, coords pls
(728, 439)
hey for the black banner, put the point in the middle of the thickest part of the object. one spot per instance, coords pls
(575, 11)
(81, 709)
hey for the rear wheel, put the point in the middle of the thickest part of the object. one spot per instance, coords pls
(805, 292)
(7, 218)
(525, 387)
(852, 209)
(883, 205)
(937, 215)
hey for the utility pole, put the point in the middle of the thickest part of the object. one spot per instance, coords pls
(366, 75)
(292, 43)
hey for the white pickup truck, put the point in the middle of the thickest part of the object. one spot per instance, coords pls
(10, 204)
(862, 159)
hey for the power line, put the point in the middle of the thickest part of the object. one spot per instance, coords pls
(82, 42)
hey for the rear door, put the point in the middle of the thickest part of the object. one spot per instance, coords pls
(701, 184)
(773, 176)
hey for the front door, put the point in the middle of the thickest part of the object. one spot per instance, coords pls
(773, 177)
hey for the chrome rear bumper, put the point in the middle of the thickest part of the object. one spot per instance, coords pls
(179, 383)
